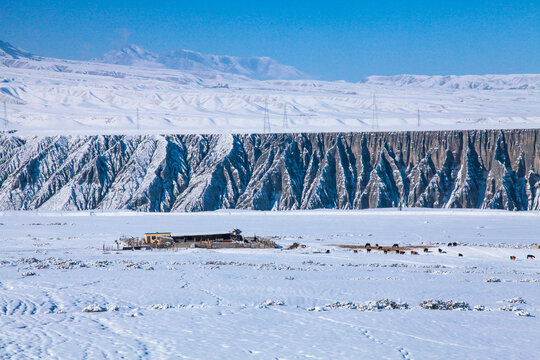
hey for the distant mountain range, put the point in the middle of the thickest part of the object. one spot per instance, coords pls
(260, 68)
(480, 82)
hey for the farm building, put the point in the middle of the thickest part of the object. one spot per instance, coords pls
(152, 238)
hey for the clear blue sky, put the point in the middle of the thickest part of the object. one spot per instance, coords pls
(328, 39)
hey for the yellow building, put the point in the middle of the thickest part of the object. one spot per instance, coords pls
(150, 238)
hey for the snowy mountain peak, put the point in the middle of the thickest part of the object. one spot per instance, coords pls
(261, 68)
(9, 51)
(130, 55)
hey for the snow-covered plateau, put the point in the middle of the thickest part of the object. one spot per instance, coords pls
(136, 91)
(63, 297)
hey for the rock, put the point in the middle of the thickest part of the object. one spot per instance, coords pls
(455, 169)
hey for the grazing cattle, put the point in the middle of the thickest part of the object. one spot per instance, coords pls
(512, 258)
(368, 245)
(395, 245)
(454, 243)
(414, 252)
(401, 252)
(397, 251)
(386, 251)
(426, 250)
(449, 244)
(460, 254)
(440, 250)
(380, 248)
(368, 250)
(376, 245)
(530, 256)
(328, 251)
(355, 251)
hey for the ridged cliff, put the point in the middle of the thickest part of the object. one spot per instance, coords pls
(455, 169)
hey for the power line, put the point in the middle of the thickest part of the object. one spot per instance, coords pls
(266, 117)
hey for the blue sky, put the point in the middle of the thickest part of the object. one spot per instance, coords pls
(329, 39)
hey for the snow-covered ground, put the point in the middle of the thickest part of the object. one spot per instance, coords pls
(272, 303)
(52, 96)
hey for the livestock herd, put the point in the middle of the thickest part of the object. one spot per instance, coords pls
(399, 250)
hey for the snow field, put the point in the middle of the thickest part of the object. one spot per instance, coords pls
(271, 303)
(54, 96)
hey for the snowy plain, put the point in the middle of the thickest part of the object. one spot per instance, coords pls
(270, 303)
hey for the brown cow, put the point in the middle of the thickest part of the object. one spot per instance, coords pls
(414, 252)
(512, 257)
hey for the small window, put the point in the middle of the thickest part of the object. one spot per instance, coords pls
(153, 238)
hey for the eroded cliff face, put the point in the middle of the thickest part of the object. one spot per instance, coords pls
(455, 169)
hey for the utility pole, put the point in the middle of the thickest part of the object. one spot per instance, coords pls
(375, 119)
(418, 117)
(266, 117)
(285, 120)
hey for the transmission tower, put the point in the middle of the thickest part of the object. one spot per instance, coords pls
(266, 117)
(285, 120)
(5, 116)
(375, 119)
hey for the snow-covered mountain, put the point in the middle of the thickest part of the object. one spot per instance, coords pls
(139, 93)
(452, 169)
(262, 68)
(8, 51)
(480, 82)
(131, 55)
